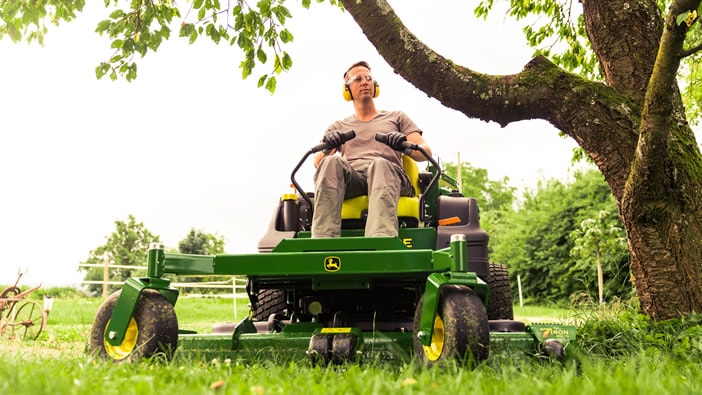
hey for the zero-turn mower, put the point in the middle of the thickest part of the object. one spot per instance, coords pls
(431, 293)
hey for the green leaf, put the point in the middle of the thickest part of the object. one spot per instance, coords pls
(261, 55)
(264, 7)
(287, 61)
(103, 25)
(286, 36)
(270, 84)
(276, 64)
(281, 13)
(246, 67)
(117, 14)
(102, 69)
(186, 29)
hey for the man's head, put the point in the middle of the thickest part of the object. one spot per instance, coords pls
(359, 79)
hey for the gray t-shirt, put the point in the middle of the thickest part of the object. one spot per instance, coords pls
(364, 146)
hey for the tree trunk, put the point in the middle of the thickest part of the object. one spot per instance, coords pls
(633, 127)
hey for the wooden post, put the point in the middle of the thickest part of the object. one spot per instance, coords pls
(459, 172)
(105, 276)
(236, 316)
(519, 288)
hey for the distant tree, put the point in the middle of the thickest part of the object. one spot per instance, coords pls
(201, 243)
(128, 245)
(492, 195)
(596, 239)
(534, 241)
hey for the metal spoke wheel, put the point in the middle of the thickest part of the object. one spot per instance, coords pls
(26, 321)
(10, 292)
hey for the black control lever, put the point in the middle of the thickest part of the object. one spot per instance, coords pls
(346, 136)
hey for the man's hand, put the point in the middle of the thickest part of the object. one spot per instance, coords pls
(334, 139)
(395, 140)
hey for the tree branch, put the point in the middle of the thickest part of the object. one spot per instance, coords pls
(691, 51)
(600, 118)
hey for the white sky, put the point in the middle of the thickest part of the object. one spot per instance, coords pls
(190, 144)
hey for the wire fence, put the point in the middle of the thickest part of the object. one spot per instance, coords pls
(237, 284)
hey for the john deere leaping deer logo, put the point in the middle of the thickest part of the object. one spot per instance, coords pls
(332, 263)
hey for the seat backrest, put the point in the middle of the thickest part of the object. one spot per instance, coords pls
(412, 171)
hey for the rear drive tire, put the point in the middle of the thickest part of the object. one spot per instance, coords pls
(500, 301)
(270, 302)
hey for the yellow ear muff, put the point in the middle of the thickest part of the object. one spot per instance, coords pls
(347, 93)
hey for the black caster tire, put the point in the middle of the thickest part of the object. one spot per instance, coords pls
(460, 332)
(153, 328)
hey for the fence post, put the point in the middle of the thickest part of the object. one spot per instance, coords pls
(519, 287)
(105, 276)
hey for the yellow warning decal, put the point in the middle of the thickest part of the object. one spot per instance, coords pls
(335, 330)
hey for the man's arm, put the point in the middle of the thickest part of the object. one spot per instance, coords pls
(414, 138)
(319, 155)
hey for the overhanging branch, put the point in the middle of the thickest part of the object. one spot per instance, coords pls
(691, 51)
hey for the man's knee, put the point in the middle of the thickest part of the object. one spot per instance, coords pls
(330, 166)
(378, 163)
(332, 160)
(383, 171)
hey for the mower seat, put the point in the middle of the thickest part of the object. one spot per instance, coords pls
(355, 209)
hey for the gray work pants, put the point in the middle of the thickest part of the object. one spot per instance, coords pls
(384, 182)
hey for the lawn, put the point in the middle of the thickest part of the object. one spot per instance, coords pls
(56, 364)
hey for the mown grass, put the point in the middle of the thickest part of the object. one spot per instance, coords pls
(620, 352)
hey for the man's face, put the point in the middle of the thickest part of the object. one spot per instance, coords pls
(360, 83)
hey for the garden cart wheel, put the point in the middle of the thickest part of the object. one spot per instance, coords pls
(152, 328)
(460, 328)
(27, 321)
(10, 292)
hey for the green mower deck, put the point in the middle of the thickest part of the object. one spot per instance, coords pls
(244, 341)
(332, 264)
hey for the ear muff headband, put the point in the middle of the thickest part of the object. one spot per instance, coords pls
(348, 96)
(347, 93)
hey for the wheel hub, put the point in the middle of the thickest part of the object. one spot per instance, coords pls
(125, 348)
